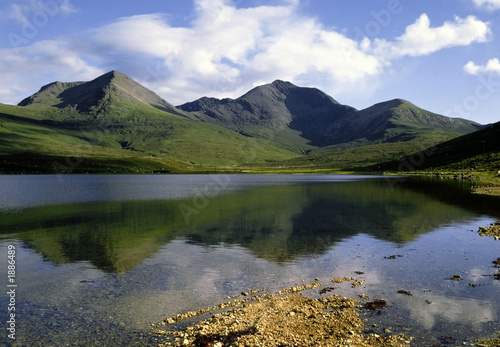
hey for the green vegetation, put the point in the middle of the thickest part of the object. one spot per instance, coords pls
(124, 137)
(473, 156)
(488, 342)
(114, 125)
(128, 137)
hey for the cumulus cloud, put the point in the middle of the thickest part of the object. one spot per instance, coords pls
(421, 39)
(229, 49)
(492, 66)
(47, 60)
(488, 4)
(226, 50)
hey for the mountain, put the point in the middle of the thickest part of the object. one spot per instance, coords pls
(296, 115)
(203, 104)
(304, 118)
(113, 123)
(399, 120)
(387, 130)
(479, 150)
(93, 95)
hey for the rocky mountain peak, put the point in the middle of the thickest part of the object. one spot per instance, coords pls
(283, 86)
(89, 95)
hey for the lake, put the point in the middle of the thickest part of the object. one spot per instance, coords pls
(101, 258)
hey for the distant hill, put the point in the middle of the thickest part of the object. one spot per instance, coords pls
(114, 124)
(479, 150)
(203, 104)
(398, 120)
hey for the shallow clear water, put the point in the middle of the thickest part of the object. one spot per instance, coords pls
(101, 258)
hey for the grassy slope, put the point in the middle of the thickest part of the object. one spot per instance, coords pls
(123, 134)
(354, 156)
(409, 129)
(402, 123)
(474, 156)
(475, 151)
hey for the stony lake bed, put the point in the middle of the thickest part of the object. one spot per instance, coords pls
(106, 259)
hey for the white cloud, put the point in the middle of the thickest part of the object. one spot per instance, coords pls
(488, 4)
(420, 39)
(225, 51)
(25, 69)
(492, 66)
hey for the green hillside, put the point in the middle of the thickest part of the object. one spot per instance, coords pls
(122, 134)
(388, 131)
(113, 124)
(477, 151)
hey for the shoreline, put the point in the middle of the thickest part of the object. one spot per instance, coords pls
(288, 318)
(488, 190)
(285, 318)
(483, 183)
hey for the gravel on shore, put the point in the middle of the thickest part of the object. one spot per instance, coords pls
(492, 191)
(285, 318)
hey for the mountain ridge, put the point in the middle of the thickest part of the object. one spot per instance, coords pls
(319, 118)
(116, 116)
(296, 115)
(90, 95)
(315, 115)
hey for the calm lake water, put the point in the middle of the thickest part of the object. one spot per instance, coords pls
(101, 258)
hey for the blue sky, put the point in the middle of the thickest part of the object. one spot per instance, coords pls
(441, 55)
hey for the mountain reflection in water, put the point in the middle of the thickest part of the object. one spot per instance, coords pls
(277, 223)
(141, 248)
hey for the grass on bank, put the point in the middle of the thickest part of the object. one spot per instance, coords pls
(488, 342)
